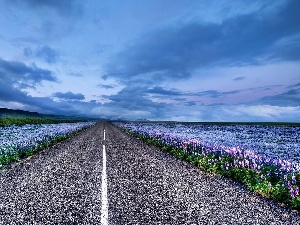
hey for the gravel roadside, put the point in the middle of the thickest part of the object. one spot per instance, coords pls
(62, 185)
(148, 186)
(59, 185)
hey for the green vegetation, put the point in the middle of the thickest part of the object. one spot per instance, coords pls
(19, 120)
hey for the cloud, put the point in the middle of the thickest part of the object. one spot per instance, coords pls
(27, 52)
(239, 78)
(15, 76)
(106, 86)
(290, 97)
(163, 91)
(288, 48)
(44, 53)
(41, 22)
(155, 102)
(69, 96)
(161, 103)
(295, 85)
(215, 93)
(18, 74)
(175, 52)
(235, 113)
(13, 97)
(46, 105)
(134, 99)
(269, 113)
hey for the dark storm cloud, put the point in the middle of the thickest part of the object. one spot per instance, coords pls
(175, 52)
(69, 96)
(18, 73)
(9, 93)
(44, 53)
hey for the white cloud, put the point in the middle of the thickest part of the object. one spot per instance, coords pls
(268, 111)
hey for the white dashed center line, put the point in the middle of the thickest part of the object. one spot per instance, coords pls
(104, 209)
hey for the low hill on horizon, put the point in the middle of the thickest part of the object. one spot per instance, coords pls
(21, 117)
(4, 112)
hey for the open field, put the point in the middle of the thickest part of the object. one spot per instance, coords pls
(17, 142)
(292, 124)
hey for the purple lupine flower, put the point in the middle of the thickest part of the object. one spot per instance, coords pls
(291, 189)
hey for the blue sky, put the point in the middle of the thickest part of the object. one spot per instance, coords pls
(200, 60)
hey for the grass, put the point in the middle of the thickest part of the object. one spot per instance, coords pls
(264, 182)
(20, 120)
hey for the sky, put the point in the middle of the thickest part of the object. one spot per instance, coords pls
(180, 60)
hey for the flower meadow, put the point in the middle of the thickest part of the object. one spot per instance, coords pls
(264, 158)
(20, 141)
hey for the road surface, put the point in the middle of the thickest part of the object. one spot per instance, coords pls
(65, 184)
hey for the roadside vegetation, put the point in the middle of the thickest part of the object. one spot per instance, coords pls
(20, 120)
(16, 155)
(20, 142)
(278, 181)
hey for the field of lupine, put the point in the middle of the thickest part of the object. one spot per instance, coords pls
(20, 141)
(264, 158)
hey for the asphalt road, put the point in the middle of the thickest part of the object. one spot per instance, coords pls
(62, 185)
